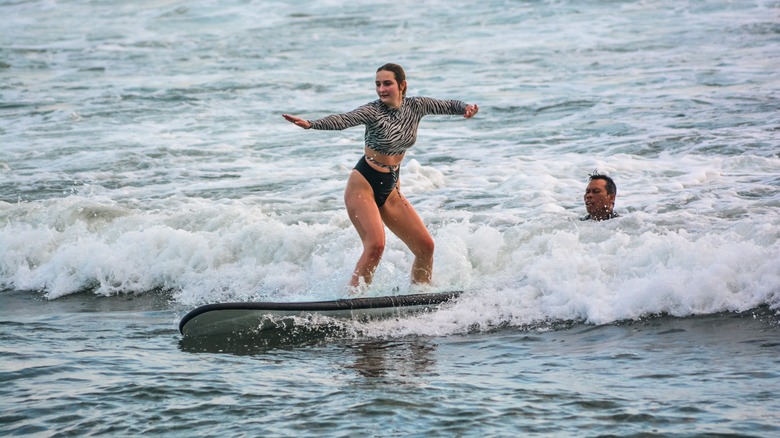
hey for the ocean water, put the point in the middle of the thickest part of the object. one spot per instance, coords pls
(145, 169)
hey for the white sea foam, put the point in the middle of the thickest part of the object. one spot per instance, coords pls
(151, 154)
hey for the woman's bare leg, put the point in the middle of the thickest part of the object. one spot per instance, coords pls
(402, 219)
(365, 216)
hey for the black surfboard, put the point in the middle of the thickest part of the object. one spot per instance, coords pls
(226, 318)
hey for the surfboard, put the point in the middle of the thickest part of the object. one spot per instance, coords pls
(227, 318)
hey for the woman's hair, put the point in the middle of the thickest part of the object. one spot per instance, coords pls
(398, 72)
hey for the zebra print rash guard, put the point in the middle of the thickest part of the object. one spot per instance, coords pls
(390, 131)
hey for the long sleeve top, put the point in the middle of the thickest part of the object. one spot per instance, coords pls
(390, 131)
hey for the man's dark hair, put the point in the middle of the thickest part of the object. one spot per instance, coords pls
(611, 187)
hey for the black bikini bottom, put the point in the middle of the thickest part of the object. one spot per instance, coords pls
(382, 183)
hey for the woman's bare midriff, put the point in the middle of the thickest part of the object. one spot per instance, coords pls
(375, 157)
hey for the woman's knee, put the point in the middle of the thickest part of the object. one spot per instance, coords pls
(424, 247)
(374, 248)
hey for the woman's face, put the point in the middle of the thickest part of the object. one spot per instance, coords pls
(388, 89)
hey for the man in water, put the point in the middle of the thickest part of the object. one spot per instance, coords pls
(600, 198)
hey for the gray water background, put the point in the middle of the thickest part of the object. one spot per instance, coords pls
(145, 169)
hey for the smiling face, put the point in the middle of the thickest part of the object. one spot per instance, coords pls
(388, 89)
(597, 201)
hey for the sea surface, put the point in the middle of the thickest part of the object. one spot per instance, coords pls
(145, 169)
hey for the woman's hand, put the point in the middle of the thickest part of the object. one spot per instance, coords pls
(298, 121)
(471, 110)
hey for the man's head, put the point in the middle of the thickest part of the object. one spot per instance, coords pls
(600, 196)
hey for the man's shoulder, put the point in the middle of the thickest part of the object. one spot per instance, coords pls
(611, 216)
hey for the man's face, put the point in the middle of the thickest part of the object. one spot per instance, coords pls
(598, 203)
